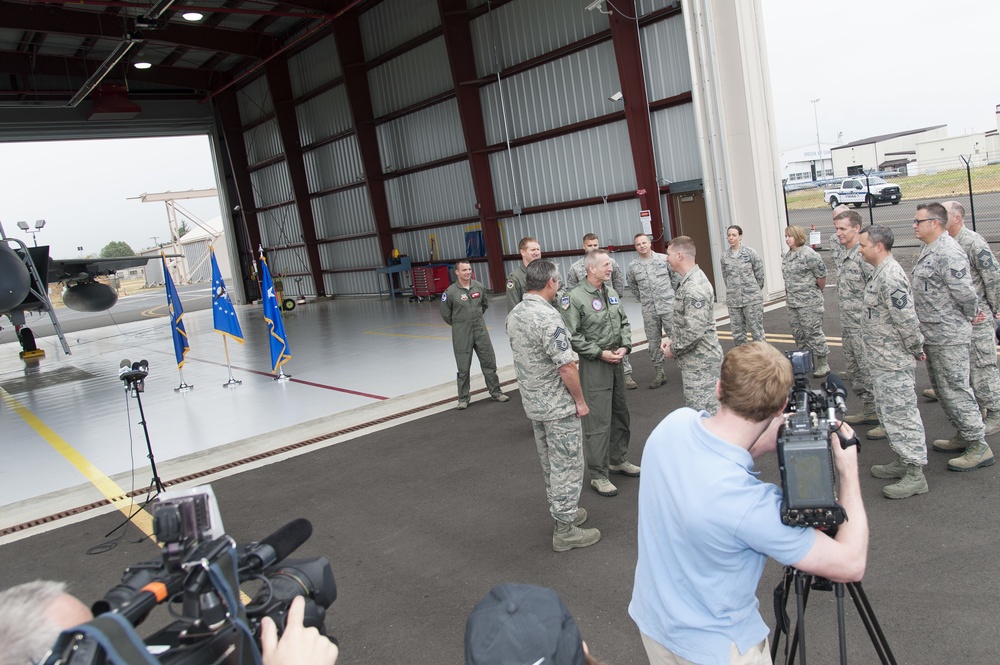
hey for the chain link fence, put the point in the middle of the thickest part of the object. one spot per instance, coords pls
(970, 179)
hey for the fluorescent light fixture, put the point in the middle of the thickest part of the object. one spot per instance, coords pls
(141, 65)
(594, 5)
(617, 97)
(192, 16)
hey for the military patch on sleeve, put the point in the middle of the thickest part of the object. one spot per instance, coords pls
(985, 259)
(959, 274)
(561, 338)
(510, 284)
(899, 298)
(697, 303)
(613, 300)
(564, 302)
(444, 296)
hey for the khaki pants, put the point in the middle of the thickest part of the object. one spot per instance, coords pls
(759, 654)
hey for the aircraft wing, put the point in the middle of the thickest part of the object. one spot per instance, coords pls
(63, 269)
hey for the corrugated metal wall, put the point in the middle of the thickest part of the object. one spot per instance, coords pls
(584, 164)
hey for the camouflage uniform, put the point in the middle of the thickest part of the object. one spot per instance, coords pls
(694, 341)
(462, 309)
(890, 335)
(946, 303)
(578, 273)
(853, 274)
(743, 273)
(515, 287)
(596, 322)
(833, 244)
(803, 299)
(541, 346)
(651, 282)
(986, 279)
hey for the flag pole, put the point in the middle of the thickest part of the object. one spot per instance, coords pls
(232, 382)
(185, 386)
(282, 376)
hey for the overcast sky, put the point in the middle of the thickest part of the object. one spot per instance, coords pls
(881, 66)
(82, 190)
(876, 66)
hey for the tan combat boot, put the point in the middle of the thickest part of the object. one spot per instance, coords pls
(930, 394)
(977, 455)
(877, 433)
(866, 417)
(630, 383)
(894, 469)
(659, 379)
(822, 368)
(567, 537)
(955, 444)
(912, 482)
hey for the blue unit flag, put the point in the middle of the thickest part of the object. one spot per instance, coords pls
(277, 341)
(223, 312)
(176, 315)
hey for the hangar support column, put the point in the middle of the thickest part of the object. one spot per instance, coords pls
(232, 130)
(735, 123)
(347, 32)
(284, 110)
(458, 41)
(628, 54)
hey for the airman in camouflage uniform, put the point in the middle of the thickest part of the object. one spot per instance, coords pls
(890, 334)
(651, 281)
(530, 250)
(462, 308)
(694, 341)
(553, 400)
(578, 273)
(984, 377)
(946, 304)
(833, 244)
(601, 335)
(853, 274)
(743, 273)
(805, 279)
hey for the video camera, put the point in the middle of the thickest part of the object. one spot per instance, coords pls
(804, 454)
(199, 575)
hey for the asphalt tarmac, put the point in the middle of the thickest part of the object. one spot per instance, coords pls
(420, 520)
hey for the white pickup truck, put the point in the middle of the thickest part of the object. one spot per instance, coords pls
(857, 191)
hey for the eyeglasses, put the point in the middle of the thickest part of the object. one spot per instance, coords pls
(927, 219)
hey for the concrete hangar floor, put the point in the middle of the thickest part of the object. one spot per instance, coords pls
(421, 508)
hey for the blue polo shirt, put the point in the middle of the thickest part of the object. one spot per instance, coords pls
(706, 527)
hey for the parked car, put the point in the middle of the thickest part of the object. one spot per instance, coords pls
(862, 191)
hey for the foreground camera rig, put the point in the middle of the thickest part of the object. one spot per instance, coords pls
(804, 454)
(199, 575)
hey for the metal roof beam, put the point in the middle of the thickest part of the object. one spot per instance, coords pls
(42, 18)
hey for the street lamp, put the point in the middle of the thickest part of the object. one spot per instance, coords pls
(39, 224)
(819, 150)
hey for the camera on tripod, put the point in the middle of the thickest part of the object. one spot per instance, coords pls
(804, 453)
(199, 576)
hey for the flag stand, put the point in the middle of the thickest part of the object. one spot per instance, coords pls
(282, 376)
(184, 387)
(232, 382)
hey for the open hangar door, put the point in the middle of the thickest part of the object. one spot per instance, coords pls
(349, 129)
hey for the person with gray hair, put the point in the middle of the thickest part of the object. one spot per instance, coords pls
(984, 378)
(601, 335)
(31, 617)
(947, 304)
(892, 341)
(545, 365)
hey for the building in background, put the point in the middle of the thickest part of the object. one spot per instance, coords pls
(802, 166)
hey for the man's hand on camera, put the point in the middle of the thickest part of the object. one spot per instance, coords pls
(298, 644)
(846, 459)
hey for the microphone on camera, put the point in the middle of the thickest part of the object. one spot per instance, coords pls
(834, 387)
(279, 544)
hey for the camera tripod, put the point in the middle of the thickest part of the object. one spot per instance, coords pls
(803, 582)
(134, 381)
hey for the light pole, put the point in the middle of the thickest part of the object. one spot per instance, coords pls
(819, 149)
(39, 224)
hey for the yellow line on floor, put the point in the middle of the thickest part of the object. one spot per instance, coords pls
(782, 339)
(388, 334)
(109, 488)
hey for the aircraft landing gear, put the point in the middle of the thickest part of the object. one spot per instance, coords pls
(30, 350)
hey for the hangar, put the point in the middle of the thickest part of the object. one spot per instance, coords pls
(346, 129)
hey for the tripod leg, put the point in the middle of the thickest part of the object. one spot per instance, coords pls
(838, 589)
(781, 619)
(871, 623)
(803, 583)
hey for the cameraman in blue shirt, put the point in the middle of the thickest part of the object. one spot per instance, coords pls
(707, 523)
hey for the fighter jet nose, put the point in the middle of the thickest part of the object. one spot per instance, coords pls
(14, 279)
